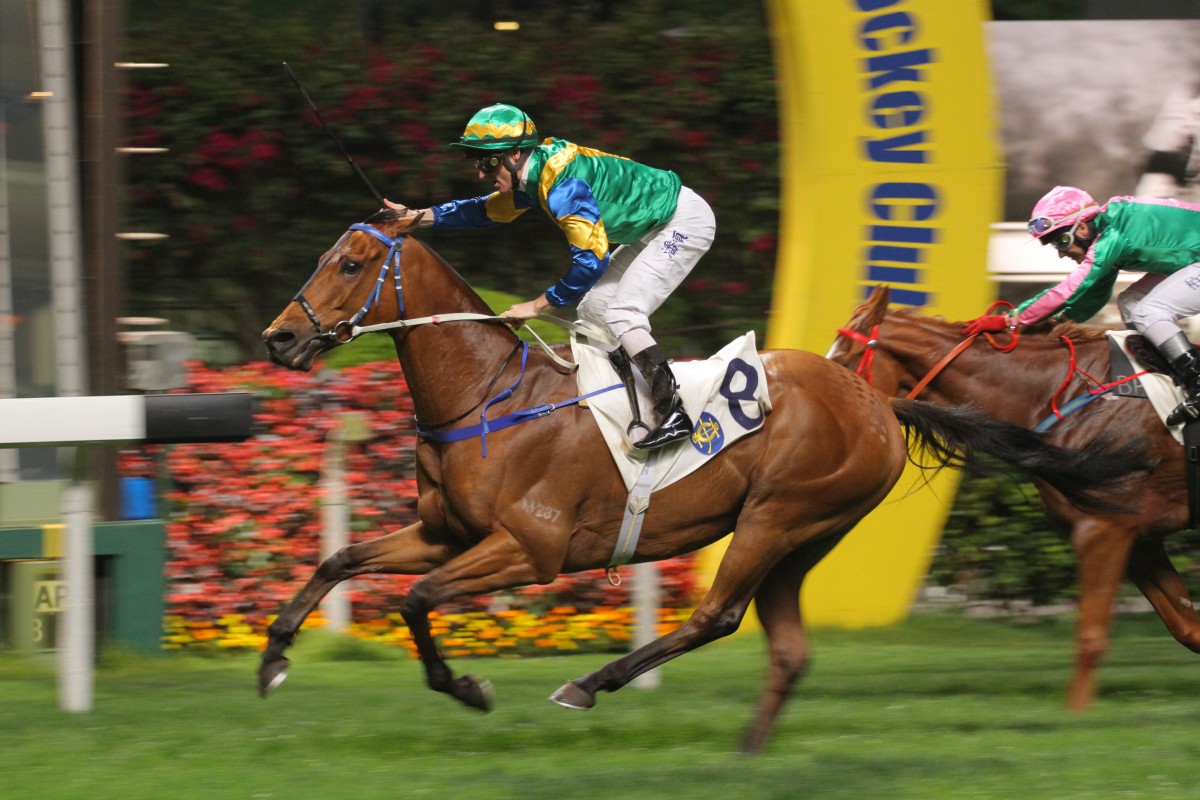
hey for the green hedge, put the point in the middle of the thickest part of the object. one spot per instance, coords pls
(998, 544)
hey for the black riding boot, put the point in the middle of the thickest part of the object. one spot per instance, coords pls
(1187, 367)
(673, 422)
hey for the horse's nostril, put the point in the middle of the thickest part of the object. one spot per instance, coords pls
(279, 337)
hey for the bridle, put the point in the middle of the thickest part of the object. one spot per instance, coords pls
(344, 330)
(871, 345)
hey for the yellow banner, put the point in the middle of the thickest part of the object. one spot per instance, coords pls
(891, 174)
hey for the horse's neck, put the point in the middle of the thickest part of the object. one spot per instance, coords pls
(1015, 386)
(449, 365)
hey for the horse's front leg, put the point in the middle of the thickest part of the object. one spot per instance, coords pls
(404, 552)
(1102, 545)
(498, 562)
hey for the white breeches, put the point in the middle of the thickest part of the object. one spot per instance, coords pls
(641, 275)
(1155, 303)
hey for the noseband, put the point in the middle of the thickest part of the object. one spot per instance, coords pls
(871, 344)
(343, 331)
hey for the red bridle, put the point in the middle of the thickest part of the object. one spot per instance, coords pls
(871, 344)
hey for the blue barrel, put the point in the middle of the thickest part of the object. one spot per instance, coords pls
(137, 498)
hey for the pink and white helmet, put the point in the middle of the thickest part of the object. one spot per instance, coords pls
(1060, 207)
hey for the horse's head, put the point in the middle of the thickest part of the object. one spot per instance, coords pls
(858, 336)
(357, 282)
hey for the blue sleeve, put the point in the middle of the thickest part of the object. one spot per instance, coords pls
(576, 212)
(470, 213)
(582, 275)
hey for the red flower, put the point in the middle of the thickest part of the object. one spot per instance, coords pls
(209, 178)
(264, 151)
(763, 243)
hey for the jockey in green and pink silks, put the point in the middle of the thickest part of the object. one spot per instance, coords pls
(1160, 237)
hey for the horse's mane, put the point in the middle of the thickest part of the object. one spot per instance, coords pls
(1076, 332)
(385, 215)
(1073, 330)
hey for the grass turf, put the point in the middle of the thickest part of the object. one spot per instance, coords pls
(938, 707)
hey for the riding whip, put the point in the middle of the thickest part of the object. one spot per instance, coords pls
(321, 119)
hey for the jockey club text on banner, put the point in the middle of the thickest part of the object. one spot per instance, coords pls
(890, 174)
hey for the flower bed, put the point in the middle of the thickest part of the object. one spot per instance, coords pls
(244, 520)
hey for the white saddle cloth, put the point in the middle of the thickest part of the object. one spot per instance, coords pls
(726, 397)
(1164, 395)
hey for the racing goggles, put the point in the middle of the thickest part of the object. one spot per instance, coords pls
(1040, 226)
(488, 164)
(1062, 240)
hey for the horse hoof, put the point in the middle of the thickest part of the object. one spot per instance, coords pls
(570, 695)
(475, 693)
(271, 674)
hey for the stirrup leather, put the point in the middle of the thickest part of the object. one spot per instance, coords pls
(624, 370)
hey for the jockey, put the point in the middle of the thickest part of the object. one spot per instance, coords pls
(634, 234)
(1160, 237)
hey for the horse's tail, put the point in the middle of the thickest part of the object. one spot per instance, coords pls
(947, 435)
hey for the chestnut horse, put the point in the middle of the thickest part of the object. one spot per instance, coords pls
(1019, 385)
(548, 498)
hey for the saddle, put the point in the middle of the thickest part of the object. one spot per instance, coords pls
(1147, 355)
(1134, 355)
(726, 395)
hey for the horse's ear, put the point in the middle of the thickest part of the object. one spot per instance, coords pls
(881, 295)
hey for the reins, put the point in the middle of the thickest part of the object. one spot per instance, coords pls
(348, 330)
(871, 345)
(466, 316)
(953, 354)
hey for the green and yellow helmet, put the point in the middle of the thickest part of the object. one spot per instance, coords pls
(498, 127)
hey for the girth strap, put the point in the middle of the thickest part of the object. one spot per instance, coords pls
(1191, 449)
(635, 512)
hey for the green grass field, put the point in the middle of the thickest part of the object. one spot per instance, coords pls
(939, 707)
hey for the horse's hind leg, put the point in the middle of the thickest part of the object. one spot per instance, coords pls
(405, 552)
(778, 605)
(712, 619)
(1151, 569)
(719, 614)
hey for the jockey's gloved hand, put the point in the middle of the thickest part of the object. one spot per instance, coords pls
(424, 220)
(988, 323)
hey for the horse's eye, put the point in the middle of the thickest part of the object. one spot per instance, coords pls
(350, 266)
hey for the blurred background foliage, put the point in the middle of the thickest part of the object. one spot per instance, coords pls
(998, 546)
(252, 191)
